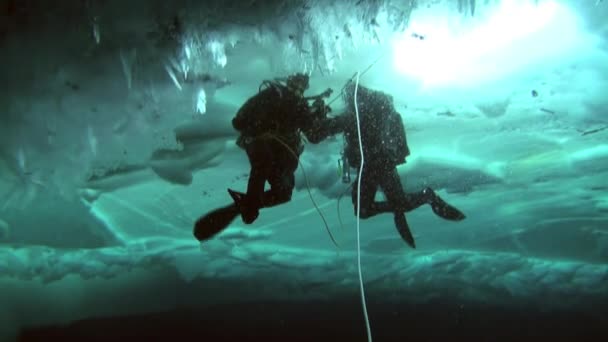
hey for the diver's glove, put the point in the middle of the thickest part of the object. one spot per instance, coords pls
(326, 93)
(319, 108)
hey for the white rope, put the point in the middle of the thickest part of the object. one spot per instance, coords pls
(367, 325)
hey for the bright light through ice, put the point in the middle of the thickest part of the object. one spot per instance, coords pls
(188, 51)
(516, 34)
(201, 102)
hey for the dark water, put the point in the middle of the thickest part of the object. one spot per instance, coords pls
(340, 320)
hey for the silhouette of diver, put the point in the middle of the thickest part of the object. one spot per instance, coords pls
(384, 148)
(270, 125)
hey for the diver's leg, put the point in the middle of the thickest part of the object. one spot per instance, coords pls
(252, 201)
(398, 200)
(369, 186)
(406, 203)
(281, 177)
(393, 191)
(439, 206)
(282, 183)
(426, 196)
(442, 208)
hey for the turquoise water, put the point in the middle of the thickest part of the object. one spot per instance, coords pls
(98, 195)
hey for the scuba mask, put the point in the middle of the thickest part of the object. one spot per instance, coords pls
(298, 83)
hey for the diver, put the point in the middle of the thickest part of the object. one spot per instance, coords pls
(271, 124)
(384, 148)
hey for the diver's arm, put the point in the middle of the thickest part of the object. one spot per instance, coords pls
(245, 120)
(323, 128)
(402, 138)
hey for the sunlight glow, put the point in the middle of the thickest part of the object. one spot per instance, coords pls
(437, 49)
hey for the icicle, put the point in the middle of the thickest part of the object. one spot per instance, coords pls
(92, 139)
(185, 68)
(96, 32)
(21, 160)
(174, 64)
(188, 52)
(219, 54)
(172, 75)
(127, 65)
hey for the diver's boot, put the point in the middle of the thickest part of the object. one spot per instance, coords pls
(249, 212)
(441, 208)
(404, 229)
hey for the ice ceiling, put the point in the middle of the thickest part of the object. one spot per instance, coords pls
(115, 132)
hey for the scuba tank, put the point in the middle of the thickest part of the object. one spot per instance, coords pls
(344, 168)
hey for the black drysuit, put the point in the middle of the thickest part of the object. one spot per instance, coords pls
(384, 146)
(271, 123)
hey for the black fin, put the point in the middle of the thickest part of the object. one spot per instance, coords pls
(237, 197)
(248, 213)
(404, 229)
(446, 211)
(214, 222)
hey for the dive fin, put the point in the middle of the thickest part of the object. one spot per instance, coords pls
(237, 197)
(214, 222)
(248, 214)
(404, 229)
(446, 211)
